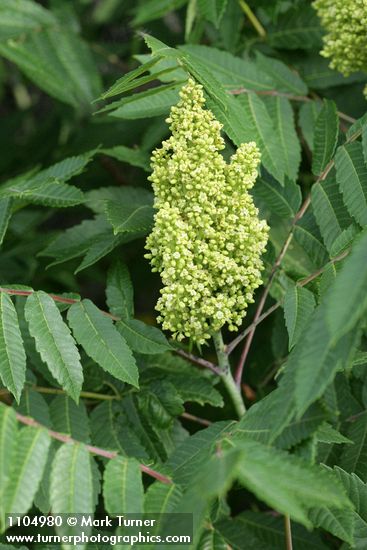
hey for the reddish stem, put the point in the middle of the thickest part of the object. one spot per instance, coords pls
(94, 450)
(189, 356)
(260, 307)
(278, 261)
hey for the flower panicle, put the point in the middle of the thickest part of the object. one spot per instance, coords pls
(345, 41)
(207, 239)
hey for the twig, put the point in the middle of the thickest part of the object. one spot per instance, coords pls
(265, 293)
(197, 419)
(279, 259)
(306, 280)
(192, 358)
(199, 361)
(355, 417)
(303, 282)
(94, 450)
(288, 533)
(252, 18)
(61, 299)
(232, 345)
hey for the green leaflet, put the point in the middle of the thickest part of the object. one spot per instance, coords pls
(212, 11)
(33, 404)
(328, 344)
(285, 79)
(317, 73)
(261, 530)
(297, 431)
(161, 403)
(27, 16)
(54, 342)
(233, 72)
(268, 473)
(299, 304)
(256, 124)
(123, 486)
(354, 457)
(281, 114)
(191, 383)
(52, 193)
(103, 245)
(351, 175)
(256, 422)
(8, 430)
(112, 429)
(157, 101)
(298, 27)
(308, 114)
(77, 240)
(119, 291)
(345, 239)
(12, 354)
(331, 215)
(327, 434)
(72, 485)
(189, 386)
(151, 9)
(123, 84)
(5, 215)
(102, 341)
(339, 523)
(161, 498)
(356, 491)
(65, 169)
(325, 136)
(135, 157)
(26, 469)
(56, 60)
(48, 187)
(69, 418)
(143, 338)
(213, 539)
(195, 451)
(347, 297)
(308, 235)
(282, 200)
(132, 218)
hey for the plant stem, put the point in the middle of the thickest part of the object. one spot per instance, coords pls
(85, 394)
(195, 360)
(288, 533)
(198, 361)
(90, 448)
(226, 374)
(252, 18)
(303, 282)
(59, 391)
(197, 419)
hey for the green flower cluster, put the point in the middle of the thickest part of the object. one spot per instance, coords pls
(207, 239)
(346, 40)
